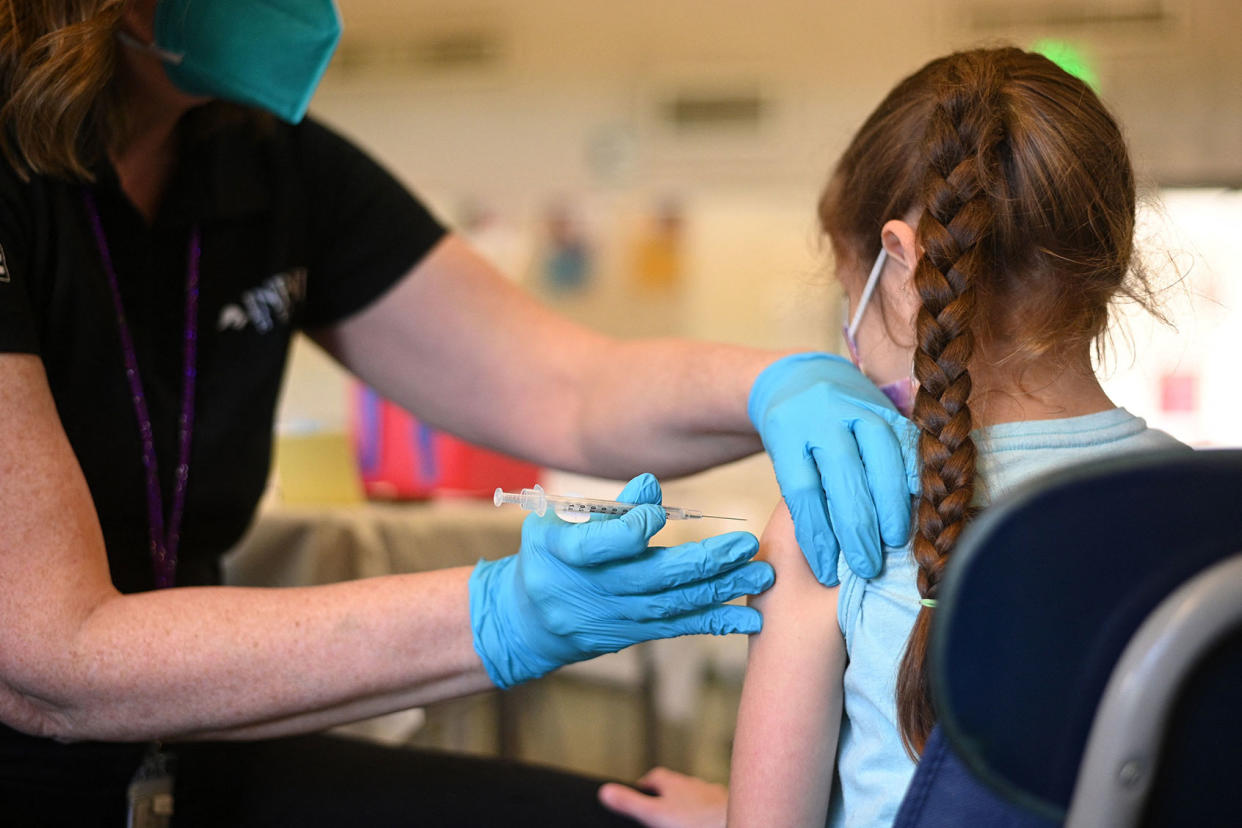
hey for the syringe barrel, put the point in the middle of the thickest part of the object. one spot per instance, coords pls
(612, 508)
(588, 506)
(534, 500)
(537, 500)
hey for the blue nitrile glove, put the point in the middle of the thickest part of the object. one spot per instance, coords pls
(830, 432)
(577, 590)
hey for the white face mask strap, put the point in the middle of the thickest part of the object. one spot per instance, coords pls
(132, 42)
(868, 289)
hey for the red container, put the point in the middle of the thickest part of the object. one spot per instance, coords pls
(400, 458)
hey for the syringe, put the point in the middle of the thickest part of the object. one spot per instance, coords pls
(537, 500)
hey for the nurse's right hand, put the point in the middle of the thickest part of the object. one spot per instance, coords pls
(577, 590)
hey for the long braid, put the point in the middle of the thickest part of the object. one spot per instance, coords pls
(1026, 232)
(960, 146)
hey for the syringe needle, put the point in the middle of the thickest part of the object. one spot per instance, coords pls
(722, 517)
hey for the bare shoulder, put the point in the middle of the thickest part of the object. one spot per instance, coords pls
(778, 544)
(794, 578)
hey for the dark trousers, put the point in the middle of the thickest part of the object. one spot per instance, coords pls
(308, 781)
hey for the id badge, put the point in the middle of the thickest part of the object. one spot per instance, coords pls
(150, 794)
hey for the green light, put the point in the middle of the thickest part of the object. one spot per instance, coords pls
(1070, 58)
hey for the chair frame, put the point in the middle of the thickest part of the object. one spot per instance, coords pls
(1120, 760)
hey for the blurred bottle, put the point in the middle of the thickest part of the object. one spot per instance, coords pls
(400, 458)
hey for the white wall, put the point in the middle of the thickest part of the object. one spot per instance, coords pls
(1189, 241)
(566, 71)
(571, 109)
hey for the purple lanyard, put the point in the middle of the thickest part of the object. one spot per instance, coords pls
(162, 538)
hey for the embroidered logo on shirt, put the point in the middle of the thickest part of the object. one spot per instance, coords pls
(4, 266)
(266, 305)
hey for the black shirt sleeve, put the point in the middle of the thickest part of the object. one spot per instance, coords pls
(367, 230)
(18, 333)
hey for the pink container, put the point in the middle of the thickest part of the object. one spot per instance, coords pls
(400, 458)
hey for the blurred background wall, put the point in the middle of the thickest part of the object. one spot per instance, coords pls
(653, 167)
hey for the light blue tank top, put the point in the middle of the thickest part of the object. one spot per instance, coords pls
(872, 768)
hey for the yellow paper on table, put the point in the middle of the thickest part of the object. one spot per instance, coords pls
(317, 467)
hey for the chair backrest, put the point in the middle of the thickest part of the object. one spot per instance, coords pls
(1042, 596)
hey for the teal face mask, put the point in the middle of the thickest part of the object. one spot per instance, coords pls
(266, 53)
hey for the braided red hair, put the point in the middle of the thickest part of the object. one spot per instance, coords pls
(1026, 209)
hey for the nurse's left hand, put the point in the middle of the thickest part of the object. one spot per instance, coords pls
(835, 442)
(577, 590)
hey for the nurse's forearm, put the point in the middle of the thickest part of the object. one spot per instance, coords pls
(343, 714)
(225, 661)
(669, 406)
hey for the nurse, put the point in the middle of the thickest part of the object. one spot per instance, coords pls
(162, 235)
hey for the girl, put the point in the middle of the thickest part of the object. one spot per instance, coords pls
(991, 200)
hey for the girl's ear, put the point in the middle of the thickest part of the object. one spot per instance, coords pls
(897, 237)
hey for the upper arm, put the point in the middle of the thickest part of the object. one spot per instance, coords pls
(53, 568)
(790, 711)
(462, 347)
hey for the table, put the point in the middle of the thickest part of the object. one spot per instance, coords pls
(302, 544)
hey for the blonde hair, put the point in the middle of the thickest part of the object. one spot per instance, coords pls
(57, 60)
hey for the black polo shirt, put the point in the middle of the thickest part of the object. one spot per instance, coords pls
(299, 229)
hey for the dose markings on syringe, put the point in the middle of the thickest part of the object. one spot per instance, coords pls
(590, 508)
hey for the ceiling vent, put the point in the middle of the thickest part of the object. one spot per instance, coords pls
(1068, 14)
(1130, 29)
(449, 53)
(716, 111)
(458, 51)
